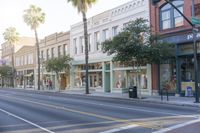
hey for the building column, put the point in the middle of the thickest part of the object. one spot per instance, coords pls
(72, 77)
(103, 77)
(111, 76)
(178, 75)
(149, 79)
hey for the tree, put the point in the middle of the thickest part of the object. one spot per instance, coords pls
(33, 17)
(58, 64)
(136, 46)
(11, 36)
(5, 72)
(82, 6)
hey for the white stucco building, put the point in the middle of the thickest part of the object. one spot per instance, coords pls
(104, 74)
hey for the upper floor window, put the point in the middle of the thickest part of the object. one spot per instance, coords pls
(97, 40)
(59, 51)
(170, 18)
(89, 42)
(105, 34)
(42, 54)
(30, 58)
(65, 49)
(48, 54)
(82, 44)
(52, 53)
(114, 31)
(75, 46)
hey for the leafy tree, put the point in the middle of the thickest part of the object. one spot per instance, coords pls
(33, 17)
(136, 46)
(130, 45)
(58, 64)
(11, 36)
(82, 6)
(5, 72)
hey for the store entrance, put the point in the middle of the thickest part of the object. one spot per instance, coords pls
(95, 79)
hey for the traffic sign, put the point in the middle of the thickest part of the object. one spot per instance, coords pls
(195, 21)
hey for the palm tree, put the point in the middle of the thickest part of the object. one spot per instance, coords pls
(11, 36)
(82, 7)
(33, 17)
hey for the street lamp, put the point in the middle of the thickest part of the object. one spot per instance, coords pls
(154, 2)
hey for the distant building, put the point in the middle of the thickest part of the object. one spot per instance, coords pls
(104, 74)
(6, 48)
(7, 51)
(25, 67)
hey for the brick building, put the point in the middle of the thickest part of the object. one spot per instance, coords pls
(173, 28)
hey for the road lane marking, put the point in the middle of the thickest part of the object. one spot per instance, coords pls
(120, 129)
(177, 126)
(127, 108)
(27, 121)
(126, 121)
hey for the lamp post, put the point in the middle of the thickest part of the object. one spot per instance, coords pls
(154, 2)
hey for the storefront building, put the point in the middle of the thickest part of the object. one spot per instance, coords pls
(25, 65)
(104, 74)
(171, 26)
(51, 46)
(7, 52)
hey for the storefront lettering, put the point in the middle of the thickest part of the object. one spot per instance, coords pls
(190, 36)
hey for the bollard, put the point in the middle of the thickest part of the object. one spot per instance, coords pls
(161, 94)
(167, 96)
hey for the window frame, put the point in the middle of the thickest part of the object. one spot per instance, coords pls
(172, 15)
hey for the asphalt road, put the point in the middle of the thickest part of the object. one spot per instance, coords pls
(26, 111)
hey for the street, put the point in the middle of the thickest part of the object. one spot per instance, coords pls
(25, 111)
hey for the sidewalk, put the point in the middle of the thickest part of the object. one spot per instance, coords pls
(173, 100)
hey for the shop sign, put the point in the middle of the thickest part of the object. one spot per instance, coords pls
(190, 36)
(182, 38)
(186, 49)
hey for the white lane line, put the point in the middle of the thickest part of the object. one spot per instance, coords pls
(31, 123)
(120, 129)
(177, 126)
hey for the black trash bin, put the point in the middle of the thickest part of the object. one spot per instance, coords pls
(133, 92)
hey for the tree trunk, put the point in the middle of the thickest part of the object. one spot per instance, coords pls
(38, 57)
(86, 52)
(57, 77)
(13, 72)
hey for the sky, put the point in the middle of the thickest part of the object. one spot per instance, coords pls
(59, 15)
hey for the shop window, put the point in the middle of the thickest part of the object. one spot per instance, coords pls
(170, 18)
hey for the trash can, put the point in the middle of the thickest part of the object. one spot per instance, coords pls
(133, 92)
(188, 91)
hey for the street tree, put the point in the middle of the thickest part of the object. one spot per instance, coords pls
(82, 7)
(12, 37)
(135, 46)
(58, 64)
(33, 17)
(5, 72)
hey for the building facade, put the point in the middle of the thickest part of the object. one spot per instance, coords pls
(104, 74)
(51, 46)
(25, 65)
(7, 52)
(173, 28)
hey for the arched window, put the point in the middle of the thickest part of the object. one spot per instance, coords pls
(169, 17)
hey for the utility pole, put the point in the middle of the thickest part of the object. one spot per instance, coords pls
(195, 58)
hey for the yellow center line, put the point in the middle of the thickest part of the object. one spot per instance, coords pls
(119, 120)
